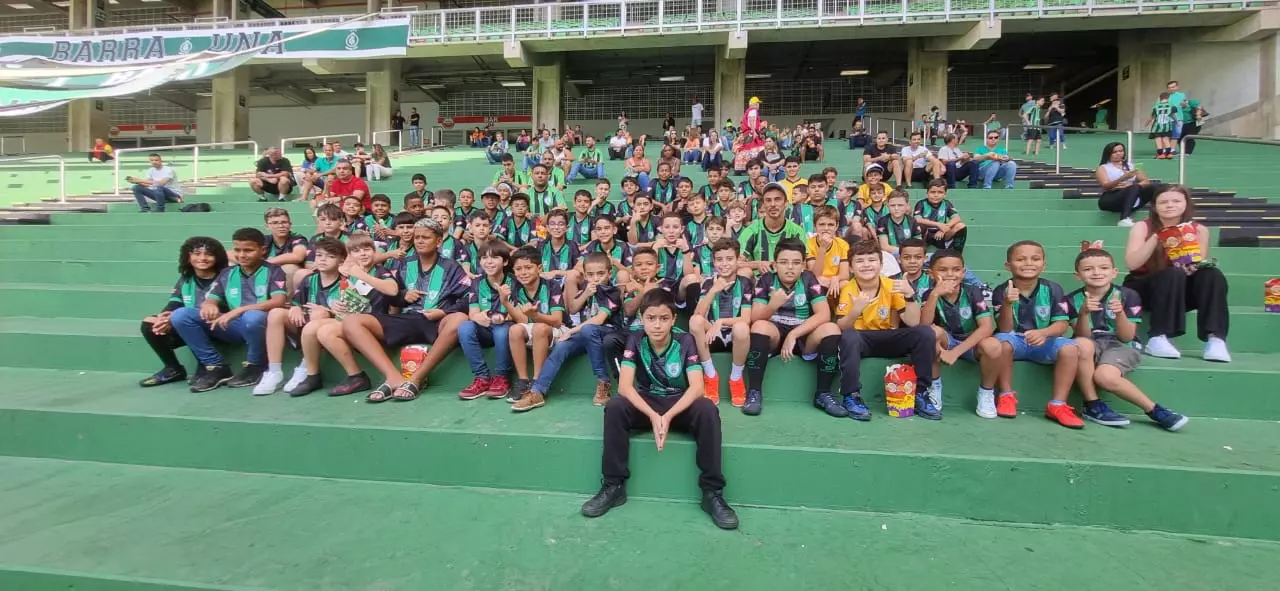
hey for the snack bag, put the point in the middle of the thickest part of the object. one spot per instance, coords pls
(411, 357)
(900, 390)
(1181, 244)
(354, 297)
(1271, 298)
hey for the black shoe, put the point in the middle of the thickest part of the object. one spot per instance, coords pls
(309, 385)
(200, 370)
(249, 376)
(610, 496)
(720, 511)
(827, 402)
(213, 377)
(167, 375)
(351, 385)
(755, 400)
(518, 388)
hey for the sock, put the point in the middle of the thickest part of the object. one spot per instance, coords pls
(709, 368)
(757, 359)
(735, 372)
(1057, 402)
(275, 367)
(828, 362)
(985, 390)
(1006, 392)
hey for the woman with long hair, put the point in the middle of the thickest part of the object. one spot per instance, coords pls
(1170, 268)
(311, 178)
(379, 165)
(712, 151)
(671, 155)
(1125, 189)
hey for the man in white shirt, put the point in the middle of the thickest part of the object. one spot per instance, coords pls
(160, 186)
(697, 113)
(618, 146)
(923, 166)
(957, 164)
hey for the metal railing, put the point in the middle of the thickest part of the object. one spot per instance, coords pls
(893, 126)
(324, 139)
(391, 134)
(1182, 149)
(437, 135)
(195, 157)
(7, 140)
(1057, 146)
(62, 170)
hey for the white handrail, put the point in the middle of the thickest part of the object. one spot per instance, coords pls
(195, 156)
(324, 139)
(396, 134)
(1057, 147)
(22, 142)
(62, 171)
(1182, 149)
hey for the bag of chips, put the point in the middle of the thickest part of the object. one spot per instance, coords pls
(1271, 295)
(352, 299)
(1181, 244)
(411, 358)
(900, 390)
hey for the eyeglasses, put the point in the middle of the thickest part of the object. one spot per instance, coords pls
(993, 137)
(556, 224)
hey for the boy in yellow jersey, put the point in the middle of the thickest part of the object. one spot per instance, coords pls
(828, 256)
(880, 317)
(872, 176)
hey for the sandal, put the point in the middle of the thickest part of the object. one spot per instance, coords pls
(406, 392)
(382, 394)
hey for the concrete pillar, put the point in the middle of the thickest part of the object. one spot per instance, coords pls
(548, 88)
(1268, 87)
(87, 119)
(378, 5)
(926, 80)
(229, 9)
(731, 91)
(1145, 71)
(382, 94)
(230, 107)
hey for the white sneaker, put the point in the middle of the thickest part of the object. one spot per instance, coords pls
(987, 404)
(1216, 350)
(1161, 347)
(269, 383)
(299, 375)
(1126, 223)
(935, 393)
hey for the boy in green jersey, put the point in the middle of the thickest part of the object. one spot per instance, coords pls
(537, 311)
(488, 325)
(899, 225)
(722, 320)
(380, 220)
(285, 248)
(580, 227)
(518, 229)
(963, 323)
(311, 302)
(1163, 115)
(200, 261)
(939, 220)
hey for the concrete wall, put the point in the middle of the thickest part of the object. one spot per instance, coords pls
(1225, 78)
(268, 124)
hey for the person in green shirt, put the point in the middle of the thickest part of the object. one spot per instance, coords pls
(590, 163)
(509, 174)
(1031, 118)
(1182, 108)
(994, 163)
(993, 124)
(761, 237)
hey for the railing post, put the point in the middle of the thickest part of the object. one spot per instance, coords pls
(777, 23)
(548, 6)
(946, 11)
(699, 13)
(115, 166)
(622, 22)
(862, 12)
(1128, 147)
(661, 13)
(1057, 156)
(513, 26)
(62, 179)
(195, 163)
(443, 28)
(477, 24)
(739, 21)
(820, 9)
(586, 19)
(904, 11)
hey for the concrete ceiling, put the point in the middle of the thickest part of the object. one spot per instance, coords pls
(19, 8)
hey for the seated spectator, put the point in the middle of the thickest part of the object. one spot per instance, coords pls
(639, 166)
(618, 146)
(670, 155)
(712, 151)
(347, 185)
(1125, 189)
(378, 166)
(994, 163)
(1168, 258)
(274, 175)
(811, 149)
(200, 261)
(160, 186)
(957, 165)
(101, 151)
(360, 161)
(886, 155)
(590, 163)
(497, 149)
(692, 148)
(773, 161)
(919, 163)
(522, 140)
(311, 178)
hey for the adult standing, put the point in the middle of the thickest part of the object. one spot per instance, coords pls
(415, 128)
(860, 112)
(1169, 284)
(1056, 118)
(274, 175)
(1024, 113)
(397, 124)
(1125, 189)
(695, 112)
(1178, 99)
(160, 186)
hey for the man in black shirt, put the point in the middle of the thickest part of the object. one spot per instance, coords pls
(885, 154)
(415, 128)
(669, 122)
(274, 175)
(397, 123)
(1056, 119)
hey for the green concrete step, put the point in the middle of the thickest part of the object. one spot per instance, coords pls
(66, 523)
(1024, 470)
(89, 345)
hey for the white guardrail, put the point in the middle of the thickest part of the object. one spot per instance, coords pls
(195, 157)
(1057, 146)
(62, 170)
(7, 142)
(394, 137)
(324, 139)
(657, 17)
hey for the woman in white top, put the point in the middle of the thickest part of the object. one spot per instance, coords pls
(1125, 189)
(378, 166)
(712, 151)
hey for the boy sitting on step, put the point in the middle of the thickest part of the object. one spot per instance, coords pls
(899, 225)
(537, 312)
(247, 291)
(200, 260)
(285, 249)
(939, 220)
(310, 305)
(722, 320)
(963, 324)
(1105, 317)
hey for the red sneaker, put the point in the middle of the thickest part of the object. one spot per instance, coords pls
(1007, 405)
(711, 388)
(738, 392)
(1064, 415)
(498, 387)
(478, 388)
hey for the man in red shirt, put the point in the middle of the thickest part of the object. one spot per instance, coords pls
(347, 184)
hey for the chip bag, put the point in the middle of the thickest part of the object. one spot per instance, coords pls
(1181, 244)
(411, 358)
(1271, 297)
(900, 390)
(354, 297)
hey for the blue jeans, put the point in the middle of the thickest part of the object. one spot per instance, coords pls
(1177, 130)
(994, 171)
(160, 195)
(643, 179)
(710, 159)
(494, 157)
(967, 355)
(415, 136)
(692, 156)
(774, 176)
(591, 171)
(1056, 134)
(473, 338)
(249, 328)
(530, 161)
(1045, 354)
(968, 170)
(590, 340)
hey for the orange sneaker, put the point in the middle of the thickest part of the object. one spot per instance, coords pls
(738, 392)
(712, 388)
(1064, 415)
(1007, 405)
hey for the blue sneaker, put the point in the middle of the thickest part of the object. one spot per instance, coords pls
(857, 410)
(926, 410)
(1098, 412)
(753, 404)
(827, 402)
(1171, 421)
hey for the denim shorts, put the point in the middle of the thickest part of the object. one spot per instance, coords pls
(1045, 354)
(967, 355)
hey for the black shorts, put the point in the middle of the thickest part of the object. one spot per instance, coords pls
(412, 328)
(810, 154)
(920, 175)
(273, 187)
(783, 331)
(1032, 133)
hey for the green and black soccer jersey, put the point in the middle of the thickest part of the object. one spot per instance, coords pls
(803, 297)
(606, 209)
(663, 193)
(591, 156)
(395, 243)
(1103, 324)
(695, 232)
(1046, 304)
(235, 287)
(919, 285)
(515, 178)
(563, 258)
(462, 215)
(497, 219)
(802, 214)
(311, 247)
(450, 248)
(294, 240)
(645, 231)
(620, 251)
(626, 209)
(516, 233)
(873, 215)
(718, 209)
(542, 202)
(704, 260)
(313, 290)
(356, 225)
(850, 212)
(732, 301)
(759, 242)
(960, 318)
(372, 221)
(671, 264)
(607, 298)
(580, 229)
(663, 373)
(546, 296)
(940, 213)
(898, 231)
(1162, 117)
(444, 285)
(484, 295)
(189, 292)
(379, 302)
(1034, 114)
